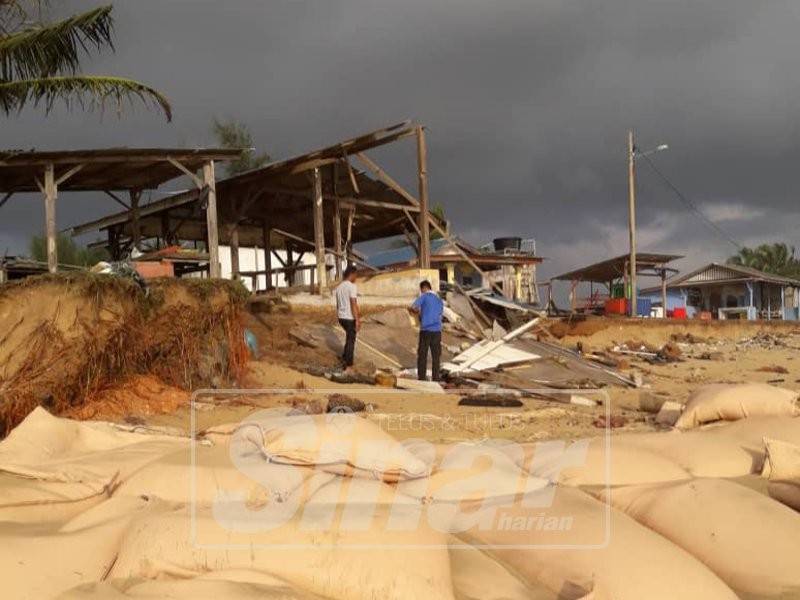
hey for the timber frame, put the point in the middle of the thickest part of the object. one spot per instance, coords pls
(318, 202)
(110, 171)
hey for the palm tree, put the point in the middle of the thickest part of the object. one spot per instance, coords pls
(776, 258)
(39, 63)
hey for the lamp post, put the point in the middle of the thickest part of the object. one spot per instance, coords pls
(632, 154)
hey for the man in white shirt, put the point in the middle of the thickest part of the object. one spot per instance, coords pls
(348, 314)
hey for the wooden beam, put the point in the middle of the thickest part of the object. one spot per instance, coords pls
(148, 209)
(319, 231)
(214, 268)
(234, 239)
(297, 238)
(422, 171)
(413, 223)
(337, 237)
(68, 174)
(51, 234)
(197, 181)
(117, 199)
(383, 176)
(353, 180)
(374, 203)
(265, 234)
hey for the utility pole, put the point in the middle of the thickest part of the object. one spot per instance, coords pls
(632, 220)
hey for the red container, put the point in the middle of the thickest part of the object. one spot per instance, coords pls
(679, 313)
(616, 306)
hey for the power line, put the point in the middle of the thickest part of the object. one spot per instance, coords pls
(691, 206)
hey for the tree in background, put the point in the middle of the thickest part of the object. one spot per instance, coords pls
(778, 259)
(69, 253)
(40, 62)
(234, 134)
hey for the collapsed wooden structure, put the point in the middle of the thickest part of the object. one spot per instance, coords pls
(318, 200)
(111, 171)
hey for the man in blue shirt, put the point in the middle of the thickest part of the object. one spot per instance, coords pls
(429, 307)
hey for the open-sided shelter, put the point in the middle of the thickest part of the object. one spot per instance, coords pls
(111, 171)
(612, 270)
(315, 201)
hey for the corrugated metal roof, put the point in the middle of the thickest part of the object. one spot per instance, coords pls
(404, 254)
(721, 273)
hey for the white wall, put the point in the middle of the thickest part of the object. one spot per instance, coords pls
(252, 259)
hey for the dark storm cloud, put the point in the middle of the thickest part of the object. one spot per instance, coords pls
(527, 104)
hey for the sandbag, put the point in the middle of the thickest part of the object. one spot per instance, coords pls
(478, 576)
(216, 586)
(782, 469)
(726, 450)
(732, 402)
(594, 462)
(785, 492)
(40, 562)
(588, 553)
(338, 443)
(748, 540)
(41, 437)
(52, 469)
(216, 473)
(470, 472)
(323, 554)
(782, 460)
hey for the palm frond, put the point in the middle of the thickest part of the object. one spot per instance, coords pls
(47, 50)
(86, 90)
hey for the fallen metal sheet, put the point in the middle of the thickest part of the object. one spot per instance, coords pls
(497, 357)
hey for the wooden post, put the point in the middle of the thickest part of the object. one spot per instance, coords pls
(50, 192)
(214, 268)
(136, 235)
(288, 275)
(424, 230)
(267, 253)
(632, 220)
(337, 237)
(664, 292)
(165, 227)
(234, 235)
(319, 231)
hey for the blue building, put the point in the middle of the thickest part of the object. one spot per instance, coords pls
(732, 291)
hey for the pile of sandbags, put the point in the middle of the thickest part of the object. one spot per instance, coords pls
(747, 539)
(331, 506)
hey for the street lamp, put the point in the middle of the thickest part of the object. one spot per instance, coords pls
(633, 152)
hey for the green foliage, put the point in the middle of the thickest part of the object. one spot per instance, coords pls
(438, 212)
(84, 90)
(39, 62)
(234, 134)
(778, 259)
(69, 253)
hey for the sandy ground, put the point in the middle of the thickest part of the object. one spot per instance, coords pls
(735, 356)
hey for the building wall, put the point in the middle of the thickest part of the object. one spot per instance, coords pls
(253, 259)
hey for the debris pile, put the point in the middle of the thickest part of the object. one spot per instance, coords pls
(478, 352)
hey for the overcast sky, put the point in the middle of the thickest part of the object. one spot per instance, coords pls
(528, 103)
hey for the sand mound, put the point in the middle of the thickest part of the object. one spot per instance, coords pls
(67, 337)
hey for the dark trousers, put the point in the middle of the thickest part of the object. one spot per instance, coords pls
(349, 326)
(432, 340)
